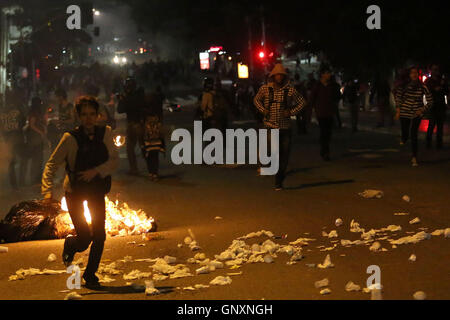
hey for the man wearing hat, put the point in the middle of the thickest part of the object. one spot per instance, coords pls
(278, 101)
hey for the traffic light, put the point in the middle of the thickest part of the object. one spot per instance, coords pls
(261, 54)
(38, 74)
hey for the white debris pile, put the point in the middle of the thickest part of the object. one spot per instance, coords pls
(257, 234)
(321, 283)
(325, 291)
(105, 279)
(332, 234)
(3, 249)
(376, 246)
(414, 221)
(181, 272)
(205, 269)
(354, 227)
(73, 296)
(22, 273)
(191, 242)
(350, 286)
(301, 241)
(150, 289)
(412, 239)
(51, 257)
(370, 194)
(170, 260)
(221, 281)
(326, 263)
(110, 269)
(419, 295)
(412, 258)
(136, 274)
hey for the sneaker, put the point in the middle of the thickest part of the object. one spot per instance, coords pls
(67, 256)
(278, 188)
(414, 162)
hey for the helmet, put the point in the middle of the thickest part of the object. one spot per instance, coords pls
(130, 84)
(208, 83)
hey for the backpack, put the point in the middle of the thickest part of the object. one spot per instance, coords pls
(90, 154)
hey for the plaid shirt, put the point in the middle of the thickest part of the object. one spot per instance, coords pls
(274, 114)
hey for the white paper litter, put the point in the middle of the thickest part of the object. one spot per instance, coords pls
(187, 240)
(415, 220)
(326, 263)
(376, 246)
(354, 227)
(412, 239)
(447, 233)
(401, 214)
(189, 288)
(136, 274)
(3, 249)
(105, 279)
(257, 234)
(332, 234)
(234, 273)
(221, 281)
(51, 257)
(216, 264)
(201, 286)
(204, 270)
(338, 222)
(181, 273)
(150, 288)
(194, 246)
(321, 283)
(419, 295)
(179, 245)
(200, 256)
(170, 260)
(370, 193)
(346, 243)
(325, 291)
(301, 241)
(350, 286)
(159, 277)
(73, 296)
(218, 218)
(412, 258)
(406, 198)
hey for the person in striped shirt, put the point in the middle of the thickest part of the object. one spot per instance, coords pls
(410, 109)
(278, 101)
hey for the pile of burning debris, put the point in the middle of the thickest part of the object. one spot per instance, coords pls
(39, 220)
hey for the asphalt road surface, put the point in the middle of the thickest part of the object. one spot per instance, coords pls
(316, 194)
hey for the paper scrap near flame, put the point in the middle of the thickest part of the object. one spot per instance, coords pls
(119, 141)
(120, 219)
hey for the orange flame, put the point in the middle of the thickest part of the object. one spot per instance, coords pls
(119, 141)
(120, 219)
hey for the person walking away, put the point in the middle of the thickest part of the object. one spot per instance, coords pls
(438, 87)
(324, 99)
(90, 157)
(132, 102)
(278, 101)
(382, 91)
(410, 109)
(35, 139)
(222, 105)
(153, 143)
(12, 121)
(207, 104)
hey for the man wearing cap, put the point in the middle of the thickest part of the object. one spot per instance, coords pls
(278, 101)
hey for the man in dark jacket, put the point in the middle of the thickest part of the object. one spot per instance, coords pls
(439, 89)
(324, 99)
(133, 104)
